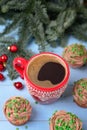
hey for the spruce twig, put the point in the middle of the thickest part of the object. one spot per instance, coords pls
(2, 21)
(80, 31)
(47, 21)
(7, 40)
(57, 28)
(12, 25)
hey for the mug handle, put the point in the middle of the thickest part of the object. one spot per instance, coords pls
(19, 65)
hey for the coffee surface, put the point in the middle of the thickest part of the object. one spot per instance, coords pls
(54, 72)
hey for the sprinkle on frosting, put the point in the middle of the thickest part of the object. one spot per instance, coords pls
(80, 92)
(17, 128)
(36, 102)
(78, 50)
(62, 120)
(17, 110)
(75, 55)
(26, 127)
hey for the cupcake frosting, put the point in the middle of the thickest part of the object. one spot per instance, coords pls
(80, 92)
(17, 110)
(62, 120)
(75, 55)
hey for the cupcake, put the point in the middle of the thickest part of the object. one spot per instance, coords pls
(62, 120)
(17, 110)
(80, 92)
(75, 55)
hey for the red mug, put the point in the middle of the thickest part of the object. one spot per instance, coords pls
(42, 94)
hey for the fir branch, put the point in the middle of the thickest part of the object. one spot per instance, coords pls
(61, 5)
(7, 16)
(30, 7)
(80, 31)
(48, 21)
(51, 31)
(41, 12)
(13, 5)
(26, 53)
(36, 29)
(24, 33)
(63, 40)
(11, 72)
(21, 52)
(82, 14)
(2, 21)
(70, 16)
(7, 40)
(3, 48)
(55, 7)
(12, 25)
(74, 3)
(57, 28)
(17, 4)
(3, 2)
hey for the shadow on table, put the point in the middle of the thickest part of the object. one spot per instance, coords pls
(68, 92)
(81, 74)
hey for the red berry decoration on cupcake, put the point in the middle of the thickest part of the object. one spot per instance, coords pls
(18, 85)
(2, 77)
(13, 48)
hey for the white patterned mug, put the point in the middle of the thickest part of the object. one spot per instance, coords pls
(28, 70)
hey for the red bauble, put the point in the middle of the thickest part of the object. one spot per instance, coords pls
(18, 85)
(4, 58)
(13, 48)
(1, 63)
(2, 77)
(0, 60)
(2, 67)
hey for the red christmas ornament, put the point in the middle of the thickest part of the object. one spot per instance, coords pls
(13, 48)
(1, 63)
(2, 67)
(4, 58)
(18, 85)
(2, 77)
(1, 60)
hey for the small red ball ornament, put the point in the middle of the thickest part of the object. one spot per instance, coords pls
(4, 58)
(1, 60)
(2, 77)
(13, 48)
(1, 63)
(2, 67)
(18, 85)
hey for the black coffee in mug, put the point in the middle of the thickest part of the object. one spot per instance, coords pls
(52, 71)
(46, 71)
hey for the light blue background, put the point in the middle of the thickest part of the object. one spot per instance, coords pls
(42, 113)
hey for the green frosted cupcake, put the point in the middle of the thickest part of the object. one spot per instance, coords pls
(75, 55)
(62, 120)
(80, 92)
(17, 110)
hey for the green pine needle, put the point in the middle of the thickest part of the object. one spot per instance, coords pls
(49, 22)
